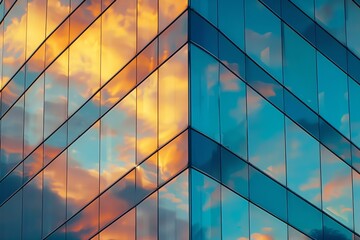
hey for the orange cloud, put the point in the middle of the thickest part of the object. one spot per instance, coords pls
(336, 188)
(261, 236)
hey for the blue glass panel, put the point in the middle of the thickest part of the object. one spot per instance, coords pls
(304, 216)
(234, 173)
(208, 9)
(231, 56)
(233, 113)
(205, 154)
(11, 183)
(146, 219)
(356, 189)
(11, 226)
(174, 209)
(354, 97)
(275, 200)
(205, 93)
(302, 83)
(303, 152)
(265, 226)
(263, 37)
(205, 207)
(307, 6)
(355, 157)
(266, 136)
(231, 20)
(335, 231)
(235, 216)
(353, 66)
(203, 34)
(274, 5)
(352, 21)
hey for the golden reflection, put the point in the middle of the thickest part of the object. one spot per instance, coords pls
(57, 10)
(146, 174)
(123, 228)
(173, 157)
(55, 176)
(173, 96)
(169, 10)
(35, 25)
(147, 22)
(118, 47)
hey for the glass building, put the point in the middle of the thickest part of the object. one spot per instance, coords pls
(177, 119)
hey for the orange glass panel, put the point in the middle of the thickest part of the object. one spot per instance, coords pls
(84, 67)
(169, 10)
(173, 96)
(147, 61)
(118, 199)
(123, 228)
(118, 37)
(33, 163)
(173, 157)
(57, 10)
(35, 25)
(146, 117)
(57, 42)
(146, 176)
(118, 87)
(118, 141)
(147, 22)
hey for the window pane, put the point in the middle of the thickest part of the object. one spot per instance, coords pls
(235, 216)
(118, 140)
(174, 209)
(169, 10)
(333, 95)
(205, 93)
(147, 21)
(11, 227)
(123, 228)
(266, 136)
(265, 226)
(207, 9)
(117, 47)
(36, 20)
(302, 83)
(296, 235)
(233, 113)
(205, 207)
(146, 177)
(83, 170)
(263, 37)
(147, 117)
(302, 152)
(352, 20)
(356, 189)
(146, 219)
(336, 188)
(173, 96)
(354, 97)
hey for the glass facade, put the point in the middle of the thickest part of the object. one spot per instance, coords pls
(180, 119)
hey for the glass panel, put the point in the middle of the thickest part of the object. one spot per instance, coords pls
(35, 66)
(266, 136)
(118, 141)
(84, 67)
(275, 200)
(296, 235)
(147, 219)
(147, 22)
(34, 111)
(173, 157)
(235, 216)
(117, 47)
(205, 93)
(352, 20)
(307, 6)
(169, 10)
(231, 20)
(56, 92)
(356, 189)
(207, 9)
(333, 230)
(302, 152)
(32, 209)
(54, 194)
(13, 90)
(12, 137)
(234, 173)
(14, 39)
(147, 61)
(205, 155)
(333, 95)
(57, 42)
(55, 144)
(354, 97)
(11, 226)
(205, 207)
(56, 13)
(146, 177)
(36, 21)
(336, 188)
(147, 117)
(304, 216)
(263, 37)
(173, 96)
(265, 226)
(302, 83)
(174, 209)
(331, 16)
(84, 224)
(233, 113)
(33, 163)
(118, 199)
(83, 170)
(123, 228)
(11, 183)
